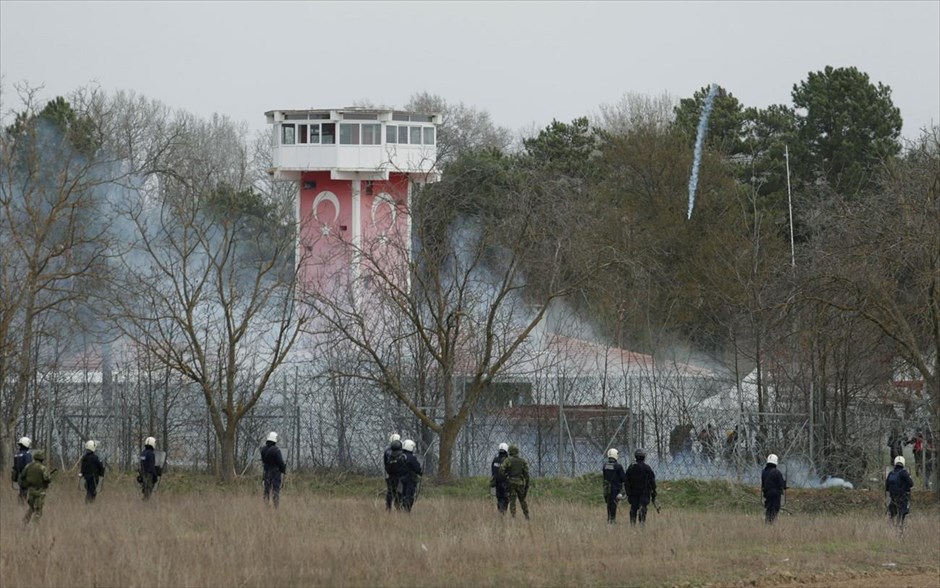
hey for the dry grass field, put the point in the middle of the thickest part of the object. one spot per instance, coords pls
(218, 537)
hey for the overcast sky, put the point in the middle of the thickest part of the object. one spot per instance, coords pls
(523, 62)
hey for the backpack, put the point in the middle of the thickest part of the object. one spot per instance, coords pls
(397, 463)
(894, 482)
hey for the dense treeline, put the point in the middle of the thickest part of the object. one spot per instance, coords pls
(842, 303)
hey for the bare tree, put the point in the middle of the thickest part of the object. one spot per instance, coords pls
(881, 262)
(54, 232)
(463, 128)
(456, 302)
(208, 281)
(634, 112)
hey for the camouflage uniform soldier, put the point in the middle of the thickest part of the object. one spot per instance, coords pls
(516, 470)
(35, 477)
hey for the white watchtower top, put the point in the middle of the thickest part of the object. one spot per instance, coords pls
(353, 143)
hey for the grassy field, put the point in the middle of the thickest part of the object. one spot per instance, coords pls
(333, 531)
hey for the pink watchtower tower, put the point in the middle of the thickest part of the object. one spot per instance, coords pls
(355, 170)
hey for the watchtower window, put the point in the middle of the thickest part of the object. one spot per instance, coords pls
(328, 133)
(428, 135)
(391, 134)
(302, 133)
(415, 135)
(315, 133)
(287, 134)
(371, 134)
(348, 134)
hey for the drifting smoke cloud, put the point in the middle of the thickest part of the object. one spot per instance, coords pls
(699, 142)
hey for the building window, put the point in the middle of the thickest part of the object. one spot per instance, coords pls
(328, 133)
(348, 134)
(315, 133)
(415, 136)
(428, 135)
(287, 134)
(403, 134)
(391, 134)
(371, 134)
(301, 133)
(360, 116)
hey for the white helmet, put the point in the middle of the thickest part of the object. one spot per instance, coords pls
(772, 458)
(899, 461)
(394, 437)
(25, 442)
(272, 436)
(613, 453)
(503, 447)
(408, 445)
(91, 445)
(151, 442)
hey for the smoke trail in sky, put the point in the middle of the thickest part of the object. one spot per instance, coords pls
(699, 141)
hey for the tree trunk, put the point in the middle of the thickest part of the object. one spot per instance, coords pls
(227, 447)
(448, 443)
(6, 445)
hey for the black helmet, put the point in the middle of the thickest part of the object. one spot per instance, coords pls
(639, 454)
(396, 445)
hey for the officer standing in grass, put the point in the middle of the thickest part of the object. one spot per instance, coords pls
(36, 478)
(614, 479)
(91, 470)
(772, 485)
(641, 487)
(898, 485)
(498, 481)
(516, 471)
(396, 469)
(391, 487)
(21, 459)
(148, 474)
(412, 476)
(274, 468)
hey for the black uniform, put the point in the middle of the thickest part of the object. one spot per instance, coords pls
(409, 481)
(641, 488)
(274, 468)
(92, 470)
(772, 485)
(499, 482)
(148, 471)
(21, 459)
(396, 467)
(898, 485)
(614, 479)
